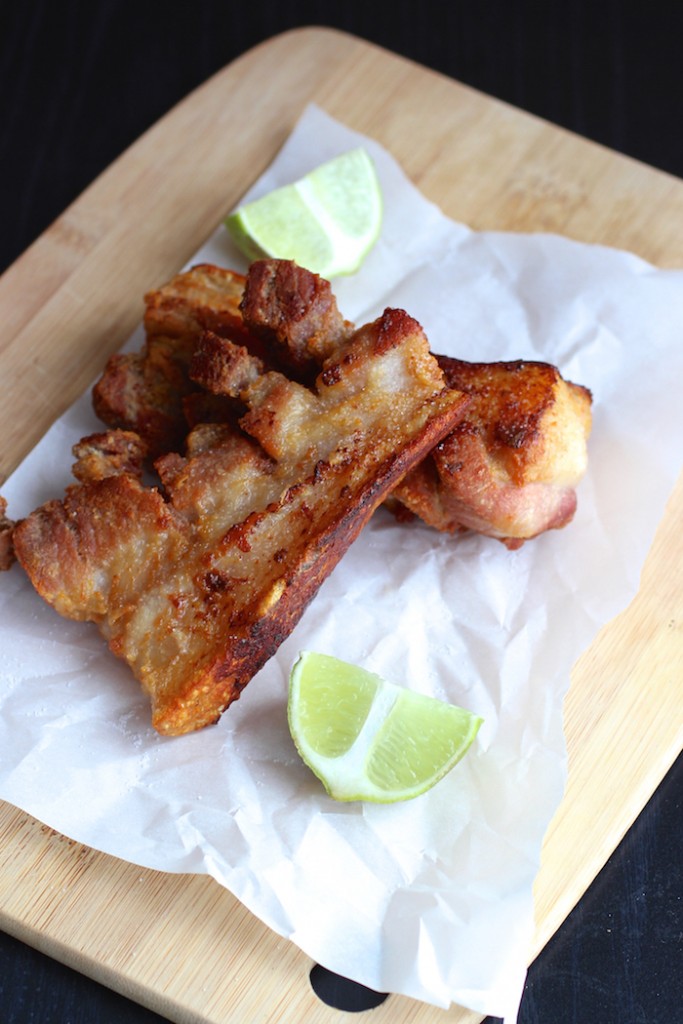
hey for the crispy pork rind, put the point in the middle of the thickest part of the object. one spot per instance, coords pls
(295, 314)
(197, 584)
(510, 470)
(6, 535)
(150, 392)
(109, 453)
(510, 467)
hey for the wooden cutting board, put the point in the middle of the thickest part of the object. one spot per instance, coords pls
(181, 944)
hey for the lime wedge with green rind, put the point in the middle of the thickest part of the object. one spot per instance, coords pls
(326, 221)
(368, 739)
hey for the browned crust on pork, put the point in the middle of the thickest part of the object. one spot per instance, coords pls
(7, 557)
(196, 585)
(109, 453)
(294, 312)
(150, 391)
(510, 467)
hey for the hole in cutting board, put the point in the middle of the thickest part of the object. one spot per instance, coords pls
(342, 993)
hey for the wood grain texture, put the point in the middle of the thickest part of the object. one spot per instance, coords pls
(76, 295)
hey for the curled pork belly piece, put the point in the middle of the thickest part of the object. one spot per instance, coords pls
(510, 467)
(294, 313)
(150, 391)
(197, 582)
(6, 534)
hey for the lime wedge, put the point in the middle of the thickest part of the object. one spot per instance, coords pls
(367, 739)
(326, 222)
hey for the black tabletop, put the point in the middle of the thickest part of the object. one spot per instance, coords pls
(80, 81)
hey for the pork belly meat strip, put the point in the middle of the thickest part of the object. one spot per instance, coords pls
(109, 453)
(6, 534)
(150, 391)
(205, 297)
(510, 467)
(295, 314)
(197, 584)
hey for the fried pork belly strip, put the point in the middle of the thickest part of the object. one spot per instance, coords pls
(196, 587)
(510, 467)
(6, 532)
(110, 453)
(294, 313)
(205, 297)
(148, 391)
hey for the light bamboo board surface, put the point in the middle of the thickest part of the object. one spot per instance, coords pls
(182, 945)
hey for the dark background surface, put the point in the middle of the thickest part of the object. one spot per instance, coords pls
(81, 81)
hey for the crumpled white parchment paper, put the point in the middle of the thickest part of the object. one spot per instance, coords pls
(431, 898)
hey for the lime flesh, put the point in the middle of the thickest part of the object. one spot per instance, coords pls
(368, 739)
(326, 221)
